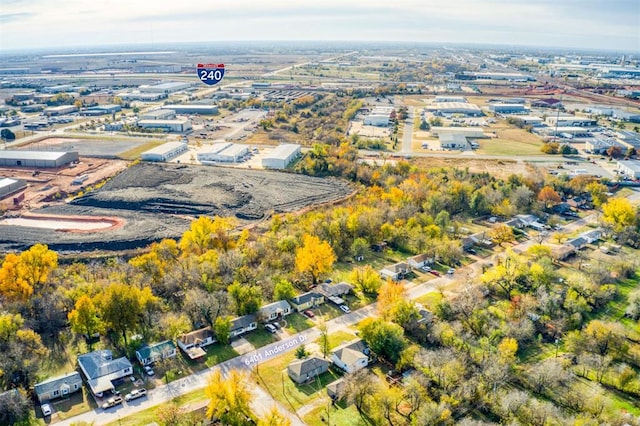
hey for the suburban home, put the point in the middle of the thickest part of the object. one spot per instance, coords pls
(395, 272)
(562, 252)
(243, 324)
(592, 236)
(58, 387)
(379, 246)
(156, 352)
(274, 311)
(102, 371)
(302, 370)
(351, 356)
(577, 243)
(339, 289)
(192, 343)
(420, 260)
(306, 300)
(561, 208)
(336, 390)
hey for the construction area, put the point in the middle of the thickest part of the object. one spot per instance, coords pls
(148, 202)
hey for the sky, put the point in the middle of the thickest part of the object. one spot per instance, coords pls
(594, 24)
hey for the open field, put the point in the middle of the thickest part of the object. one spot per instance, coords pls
(499, 168)
(102, 148)
(160, 200)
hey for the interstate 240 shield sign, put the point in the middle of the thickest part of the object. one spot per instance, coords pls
(210, 73)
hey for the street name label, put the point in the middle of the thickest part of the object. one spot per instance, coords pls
(271, 351)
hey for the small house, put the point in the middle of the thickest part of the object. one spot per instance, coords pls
(577, 243)
(193, 343)
(420, 261)
(274, 311)
(242, 325)
(307, 300)
(336, 390)
(395, 272)
(102, 371)
(58, 387)
(156, 352)
(339, 289)
(352, 356)
(303, 370)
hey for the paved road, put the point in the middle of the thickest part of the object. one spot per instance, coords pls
(407, 136)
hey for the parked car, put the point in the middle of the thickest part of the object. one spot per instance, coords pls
(276, 325)
(270, 328)
(46, 410)
(149, 370)
(471, 251)
(345, 309)
(451, 271)
(436, 273)
(112, 402)
(309, 313)
(425, 269)
(135, 394)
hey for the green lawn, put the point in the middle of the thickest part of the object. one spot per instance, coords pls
(77, 403)
(134, 153)
(218, 353)
(273, 377)
(338, 414)
(508, 147)
(297, 322)
(260, 338)
(339, 337)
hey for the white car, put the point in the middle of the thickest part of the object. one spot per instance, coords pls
(451, 271)
(345, 309)
(46, 410)
(149, 370)
(134, 394)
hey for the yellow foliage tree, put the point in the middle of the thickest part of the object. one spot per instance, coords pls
(619, 212)
(22, 275)
(84, 318)
(229, 398)
(507, 350)
(274, 418)
(206, 233)
(389, 295)
(315, 257)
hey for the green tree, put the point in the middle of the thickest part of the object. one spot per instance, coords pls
(384, 338)
(85, 319)
(222, 329)
(366, 279)
(247, 298)
(22, 352)
(121, 307)
(283, 290)
(7, 135)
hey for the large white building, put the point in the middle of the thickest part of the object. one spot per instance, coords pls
(379, 116)
(281, 157)
(570, 121)
(224, 152)
(210, 155)
(469, 132)
(507, 108)
(158, 114)
(455, 108)
(204, 109)
(630, 168)
(9, 186)
(447, 98)
(527, 120)
(164, 152)
(177, 126)
(10, 158)
(165, 88)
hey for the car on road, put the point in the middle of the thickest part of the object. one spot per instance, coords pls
(135, 394)
(345, 309)
(436, 273)
(451, 271)
(46, 410)
(149, 370)
(309, 313)
(270, 328)
(112, 402)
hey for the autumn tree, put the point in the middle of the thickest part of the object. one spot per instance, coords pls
(314, 258)
(246, 298)
(502, 233)
(27, 273)
(85, 319)
(389, 295)
(121, 307)
(206, 233)
(548, 196)
(619, 212)
(366, 279)
(229, 398)
(22, 352)
(274, 418)
(222, 329)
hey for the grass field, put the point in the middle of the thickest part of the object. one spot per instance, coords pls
(297, 322)
(260, 338)
(134, 153)
(339, 414)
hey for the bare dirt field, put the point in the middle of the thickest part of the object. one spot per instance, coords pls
(499, 168)
(158, 201)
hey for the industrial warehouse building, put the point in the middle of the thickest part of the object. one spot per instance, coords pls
(630, 168)
(455, 108)
(203, 109)
(177, 126)
(281, 157)
(379, 116)
(60, 110)
(528, 120)
(159, 114)
(446, 98)
(9, 186)
(165, 88)
(507, 108)
(224, 153)
(165, 152)
(570, 121)
(101, 110)
(37, 158)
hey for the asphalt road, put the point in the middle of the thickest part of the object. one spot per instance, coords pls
(407, 136)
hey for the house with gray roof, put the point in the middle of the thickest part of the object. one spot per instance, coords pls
(303, 370)
(243, 324)
(101, 370)
(307, 300)
(351, 356)
(274, 311)
(395, 272)
(58, 387)
(339, 289)
(192, 343)
(420, 260)
(156, 352)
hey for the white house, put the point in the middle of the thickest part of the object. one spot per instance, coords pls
(243, 324)
(274, 311)
(420, 260)
(193, 343)
(58, 387)
(352, 356)
(395, 272)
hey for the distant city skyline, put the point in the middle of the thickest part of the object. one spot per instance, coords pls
(587, 24)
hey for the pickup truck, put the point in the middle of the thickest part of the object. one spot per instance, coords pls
(112, 402)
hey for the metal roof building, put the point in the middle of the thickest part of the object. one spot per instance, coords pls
(205, 109)
(164, 152)
(281, 157)
(37, 158)
(9, 186)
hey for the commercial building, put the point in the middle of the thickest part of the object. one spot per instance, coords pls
(503, 76)
(224, 152)
(165, 152)
(203, 109)
(528, 120)
(165, 88)
(101, 110)
(281, 157)
(455, 108)
(630, 168)
(570, 121)
(159, 114)
(469, 132)
(60, 110)
(445, 98)
(36, 158)
(58, 387)
(144, 97)
(379, 116)
(176, 126)
(507, 108)
(449, 141)
(10, 186)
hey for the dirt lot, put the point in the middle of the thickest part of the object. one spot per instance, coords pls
(499, 168)
(159, 201)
